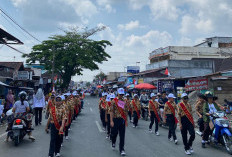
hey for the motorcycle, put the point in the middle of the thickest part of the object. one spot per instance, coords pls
(221, 132)
(145, 111)
(18, 128)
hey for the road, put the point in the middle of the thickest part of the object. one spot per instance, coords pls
(88, 140)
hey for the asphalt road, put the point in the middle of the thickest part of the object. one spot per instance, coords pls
(88, 140)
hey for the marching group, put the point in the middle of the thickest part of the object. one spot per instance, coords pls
(162, 109)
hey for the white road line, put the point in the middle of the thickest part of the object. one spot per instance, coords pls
(99, 127)
(91, 109)
(4, 134)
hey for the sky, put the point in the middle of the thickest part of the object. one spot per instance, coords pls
(134, 27)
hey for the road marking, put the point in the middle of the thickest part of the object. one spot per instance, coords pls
(4, 134)
(91, 109)
(99, 127)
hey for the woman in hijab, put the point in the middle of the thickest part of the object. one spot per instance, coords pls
(38, 105)
(9, 101)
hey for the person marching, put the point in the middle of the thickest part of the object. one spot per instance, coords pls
(153, 109)
(186, 122)
(129, 106)
(136, 110)
(112, 96)
(118, 120)
(69, 109)
(51, 103)
(199, 110)
(102, 109)
(76, 108)
(170, 109)
(57, 118)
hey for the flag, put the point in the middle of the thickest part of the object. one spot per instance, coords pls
(53, 89)
(167, 72)
(104, 81)
(55, 79)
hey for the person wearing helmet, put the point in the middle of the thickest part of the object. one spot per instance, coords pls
(186, 122)
(153, 109)
(170, 109)
(209, 108)
(21, 108)
(136, 110)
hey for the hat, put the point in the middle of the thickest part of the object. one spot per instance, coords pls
(209, 96)
(127, 94)
(121, 91)
(112, 96)
(152, 94)
(136, 95)
(104, 94)
(171, 96)
(184, 95)
(158, 93)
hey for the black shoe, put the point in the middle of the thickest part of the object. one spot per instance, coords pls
(203, 145)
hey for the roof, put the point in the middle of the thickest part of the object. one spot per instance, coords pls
(6, 38)
(149, 71)
(208, 39)
(14, 65)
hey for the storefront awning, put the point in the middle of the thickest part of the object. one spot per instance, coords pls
(3, 84)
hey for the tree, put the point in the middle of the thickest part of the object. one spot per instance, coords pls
(100, 77)
(88, 84)
(73, 52)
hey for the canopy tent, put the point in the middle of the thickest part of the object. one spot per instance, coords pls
(145, 86)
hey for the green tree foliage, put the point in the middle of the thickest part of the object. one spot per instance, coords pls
(100, 77)
(73, 51)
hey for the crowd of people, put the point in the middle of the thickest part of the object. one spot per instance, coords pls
(162, 110)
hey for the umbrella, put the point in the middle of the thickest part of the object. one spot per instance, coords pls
(99, 86)
(145, 86)
(131, 86)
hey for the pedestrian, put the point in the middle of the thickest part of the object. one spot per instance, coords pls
(118, 120)
(162, 100)
(136, 110)
(153, 109)
(57, 118)
(107, 117)
(186, 122)
(170, 109)
(38, 105)
(209, 108)
(9, 101)
(199, 111)
(129, 107)
(102, 109)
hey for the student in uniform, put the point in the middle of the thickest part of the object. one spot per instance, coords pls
(112, 96)
(102, 109)
(129, 106)
(118, 120)
(136, 110)
(170, 109)
(186, 122)
(153, 109)
(57, 118)
(199, 111)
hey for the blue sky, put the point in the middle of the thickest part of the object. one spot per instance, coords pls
(134, 27)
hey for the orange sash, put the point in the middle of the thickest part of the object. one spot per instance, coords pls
(121, 111)
(173, 111)
(53, 113)
(155, 110)
(103, 105)
(187, 113)
(136, 108)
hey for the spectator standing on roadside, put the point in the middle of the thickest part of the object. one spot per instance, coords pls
(9, 101)
(38, 105)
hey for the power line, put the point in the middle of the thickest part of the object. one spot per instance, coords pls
(18, 25)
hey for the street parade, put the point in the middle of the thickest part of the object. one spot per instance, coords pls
(110, 78)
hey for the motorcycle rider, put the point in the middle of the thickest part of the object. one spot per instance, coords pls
(209, 108)
(21, 109)
(162, 100)
(143, 100)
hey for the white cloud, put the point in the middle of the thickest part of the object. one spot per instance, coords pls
(129, 26)
(106, 5)
(2, 27)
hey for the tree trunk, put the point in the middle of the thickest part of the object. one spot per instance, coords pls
(66, 81)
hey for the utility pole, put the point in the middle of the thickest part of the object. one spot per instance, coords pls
(53, 66)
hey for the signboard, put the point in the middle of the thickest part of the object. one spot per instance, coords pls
(122, 79)
(196, 84)
(167, 86)
(140, 81)
(133, 69)
(22, 75)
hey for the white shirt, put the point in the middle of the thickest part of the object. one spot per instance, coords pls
(38, 103)
(1, 109)
(212, 108)
(19, 108)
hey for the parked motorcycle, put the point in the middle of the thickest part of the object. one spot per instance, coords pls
(221, 132)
